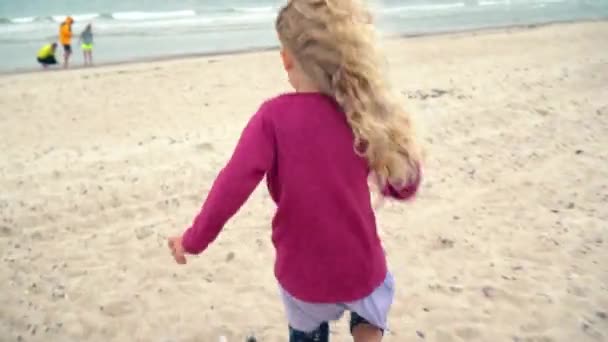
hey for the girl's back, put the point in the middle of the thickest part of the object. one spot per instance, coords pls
(87, 36)
(324, 224)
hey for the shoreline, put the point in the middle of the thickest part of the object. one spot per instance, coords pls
(187, 56)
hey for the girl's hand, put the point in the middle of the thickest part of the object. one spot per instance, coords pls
(177, 250)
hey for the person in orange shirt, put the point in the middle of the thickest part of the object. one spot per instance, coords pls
(65, 38)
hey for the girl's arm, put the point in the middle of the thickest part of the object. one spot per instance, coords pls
(250, 161)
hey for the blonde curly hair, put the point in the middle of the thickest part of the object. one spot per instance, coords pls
(333, 42)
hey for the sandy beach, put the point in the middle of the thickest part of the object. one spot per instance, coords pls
(507, 241)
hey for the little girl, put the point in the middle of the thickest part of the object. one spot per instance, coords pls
(86, 38)
(317, 148)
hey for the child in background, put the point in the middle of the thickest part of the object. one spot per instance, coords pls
(317, 147)
(46, 55)
(86, 40)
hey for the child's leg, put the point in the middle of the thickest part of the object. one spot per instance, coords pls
(363, 331)
(369, 315)
(308, 322)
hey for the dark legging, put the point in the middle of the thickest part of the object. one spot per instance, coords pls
(321, 334)
(47, 60)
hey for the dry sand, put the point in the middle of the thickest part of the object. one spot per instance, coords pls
(508, 240)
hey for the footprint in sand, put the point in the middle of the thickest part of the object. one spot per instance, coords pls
(116, 308)
(144, 232)
(535, 326)
(5, 231)
(204, 147)
(467, 333)
(498, 294)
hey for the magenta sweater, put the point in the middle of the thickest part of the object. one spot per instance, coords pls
(324, 229)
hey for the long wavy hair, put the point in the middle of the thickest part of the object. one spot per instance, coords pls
(333, 42)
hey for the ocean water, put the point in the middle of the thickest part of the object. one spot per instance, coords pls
(128, 30)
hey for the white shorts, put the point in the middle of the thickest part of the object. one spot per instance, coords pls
(307, 317)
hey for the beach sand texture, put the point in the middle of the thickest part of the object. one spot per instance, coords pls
(507, 240)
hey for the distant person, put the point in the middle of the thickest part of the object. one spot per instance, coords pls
(46, 55)
(65, 38)
(317, 147)
(86, 40)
